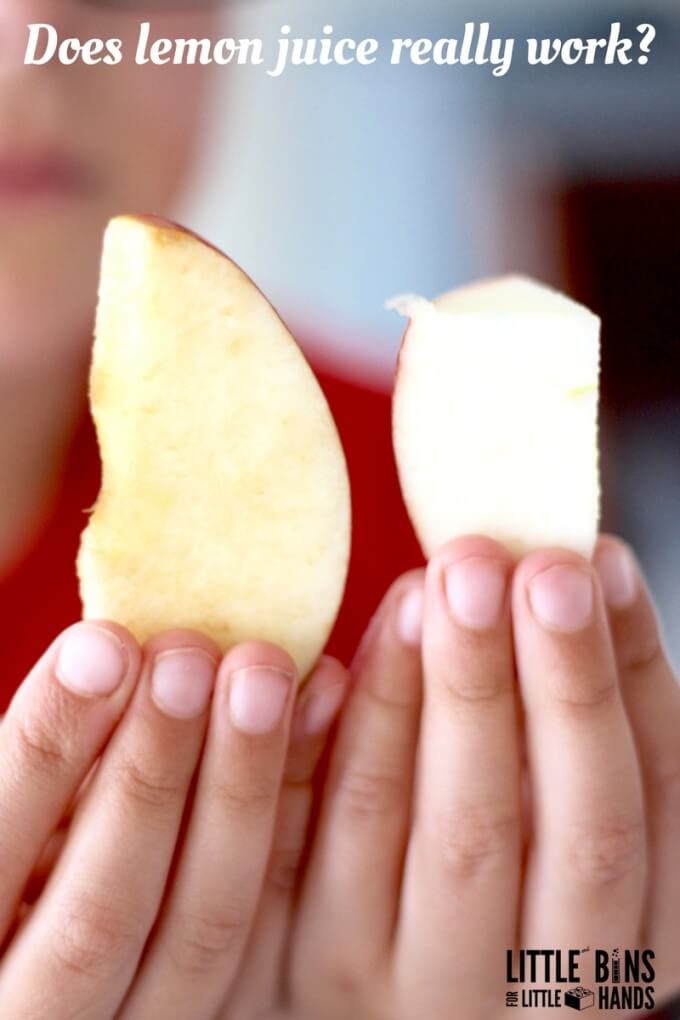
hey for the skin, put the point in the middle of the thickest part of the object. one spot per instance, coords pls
(420, 883)
(181, 826)
(411, 886)
(160, 865)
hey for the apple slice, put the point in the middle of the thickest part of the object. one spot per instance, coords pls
(495, 416)
(225, 498)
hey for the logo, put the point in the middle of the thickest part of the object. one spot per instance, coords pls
(617, 979)
(579, 998)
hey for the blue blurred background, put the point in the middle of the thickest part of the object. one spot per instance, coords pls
(337, 187)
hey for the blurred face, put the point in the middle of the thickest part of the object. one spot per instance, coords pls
(79, 144)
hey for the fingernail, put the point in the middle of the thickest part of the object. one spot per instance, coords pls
(321, 709)
(562, 597)
(182, 682)
(258, 697)
(410, 617)
(618, 575)
(91, 661)
(475, 589)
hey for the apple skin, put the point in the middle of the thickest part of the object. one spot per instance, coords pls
(225, 503)
(164, 223)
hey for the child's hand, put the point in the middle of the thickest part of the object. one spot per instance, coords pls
(421, 878)
(152, 899)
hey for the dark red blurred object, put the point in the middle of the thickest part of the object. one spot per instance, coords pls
(671, 1011)
(623, 260)
(622, 246)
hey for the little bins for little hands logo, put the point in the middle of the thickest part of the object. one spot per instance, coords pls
(579, 998)
(617, 979)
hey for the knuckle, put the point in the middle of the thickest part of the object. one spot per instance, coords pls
(646, 658)
(370, 793)
(472, 839)
(247, 800)
(384, 695)
(343, 974)
(144, 786)
(358, 980)
(41, 748)
(200, 942)
(92, 939)
(579, 694)
(346, 984)
(607, 852)
(475, 670)
(487, 685)
(358, 985)
(383, 687)
(284, 868)
(638, 644)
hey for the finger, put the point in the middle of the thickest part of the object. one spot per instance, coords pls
(351, 891)
(58, 722)
(316, 711)
(462, 872)
(652, 698)
(211, 906)
(55, 844)
(87, 932)
(260, 978)
(586, 875)
(44, 866)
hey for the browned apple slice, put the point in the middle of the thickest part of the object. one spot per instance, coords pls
(225, 499)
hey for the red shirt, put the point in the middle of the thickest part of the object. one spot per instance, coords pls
(40, 597)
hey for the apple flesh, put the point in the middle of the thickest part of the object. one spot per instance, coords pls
(495, 416)
(225, 500)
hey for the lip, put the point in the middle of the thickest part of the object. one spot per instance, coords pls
(29, 177)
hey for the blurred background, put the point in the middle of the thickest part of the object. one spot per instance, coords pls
(337, 187)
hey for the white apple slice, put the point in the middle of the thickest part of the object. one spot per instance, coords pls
(495, 416)
(225, 499)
